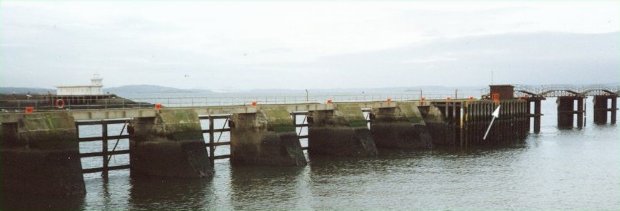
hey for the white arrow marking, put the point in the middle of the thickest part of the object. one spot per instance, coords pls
(495, 115)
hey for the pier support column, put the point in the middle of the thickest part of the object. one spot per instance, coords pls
(441, 131)
(528, 108)
(342, 131)
(600, 109)
(537, 115)
(614, 108)
(171, 144)
(265, 137)
(40, 156)
(565, 112)
(399, 126)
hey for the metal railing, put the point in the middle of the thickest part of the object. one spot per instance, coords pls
(9, 105)
(12, 105)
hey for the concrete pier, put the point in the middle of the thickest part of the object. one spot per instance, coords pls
(511, 126)
(342, 131)
(40, 156)
(600, 109)
(602, 106)
(399, 125)
(265, 137)
(566, 112)
(171, 144)
(441, 131)
(614, 108)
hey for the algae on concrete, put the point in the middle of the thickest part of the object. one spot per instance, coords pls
(42, 156)
(340, 132)
(411, 112)
(266, 137)
(399, 127)
(48, 131)
(169, 145)
(351, 114)
(278, 119)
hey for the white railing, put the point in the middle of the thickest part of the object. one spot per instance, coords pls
(8, 105)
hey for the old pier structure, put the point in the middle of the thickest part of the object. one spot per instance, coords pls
(571, 104)
(40, 151)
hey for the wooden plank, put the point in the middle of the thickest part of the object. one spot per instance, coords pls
(211, 140)
(216, 130)
(218, 144)
(100, 169)
(96, 154)
(99, 122)
(104, 148)
(216, 116)
(221, 157)
(100, 138)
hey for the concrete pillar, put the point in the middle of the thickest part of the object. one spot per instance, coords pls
(342, 131)
(171, 144)
(600, 109)
(265, 137)
(40, 155)
(614, 108)
(399, 126)
(565, 112)
(441, 131)
(537, 115)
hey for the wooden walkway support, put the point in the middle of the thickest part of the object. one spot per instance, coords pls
(213, 142)
(215, 134)
(105, 137)
(105, 152)
(469, 119)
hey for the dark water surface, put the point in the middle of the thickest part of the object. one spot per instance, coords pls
(557, 169)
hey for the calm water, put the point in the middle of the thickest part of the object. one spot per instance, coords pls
(553, 170)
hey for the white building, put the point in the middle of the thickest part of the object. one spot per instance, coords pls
(95, 88)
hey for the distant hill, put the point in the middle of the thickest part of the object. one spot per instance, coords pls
(25, 90)
(130, 89)
(134, 89)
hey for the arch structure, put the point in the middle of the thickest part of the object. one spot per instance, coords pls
(566, 90)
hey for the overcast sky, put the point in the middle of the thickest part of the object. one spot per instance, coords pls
(245, 45)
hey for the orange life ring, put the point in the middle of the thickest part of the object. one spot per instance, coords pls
(60, 103)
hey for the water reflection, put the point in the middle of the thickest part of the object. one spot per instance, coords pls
(182, 194)
(32, 202)
(266, 187)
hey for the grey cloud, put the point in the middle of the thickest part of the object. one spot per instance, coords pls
(514, 58)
